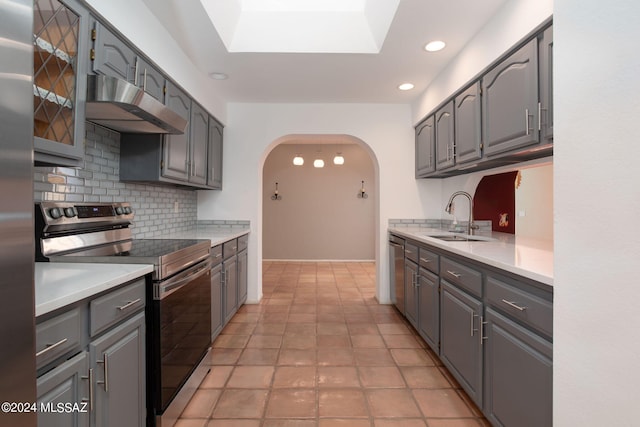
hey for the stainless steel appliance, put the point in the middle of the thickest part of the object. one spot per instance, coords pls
(396, 271)
(17, 328)
(178, 300)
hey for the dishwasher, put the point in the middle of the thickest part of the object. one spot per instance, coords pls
(396, 271)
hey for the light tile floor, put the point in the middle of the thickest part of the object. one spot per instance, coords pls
(319, 351)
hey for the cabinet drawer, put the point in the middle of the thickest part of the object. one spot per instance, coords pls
(461, 275)
(216, 254)
(58, 336)
(230, 248)
(429, 260)
(243, 242)
(411, 252)
(110, 309)
(521, 305)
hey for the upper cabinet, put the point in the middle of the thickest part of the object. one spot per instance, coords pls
(214, 154)
(59, 81)
(176, 147)
(502, 117)
(510, 102)
(425, 147)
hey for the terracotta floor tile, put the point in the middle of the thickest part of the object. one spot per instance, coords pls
(202, 422)
(411, 357)
(381, 376)
(265, 341)
(295, 377)
(251, 377)
(331, 317)
(233, 423)
(338, 376)
(367, 341)
(300, 328)
(309, 318)
(299, 341)
(201, 404)
(289, 423)
(393, 329)
(333, 341)
(405, 422)
(231, 341)
(217, 377)
(362, 328)
(238, 328)
(303, 308)
(292, 356)
(441, 403)
(292, 403)
(269, 328)
(455, 422)
(402, 341)
(392, 403)
(342, 403)
(224, 356)
(335, 357)
(343, 422)
(373, 357)
(424, 377)
(332, 328)
(239, 403)
(274, 317)
(258, 356)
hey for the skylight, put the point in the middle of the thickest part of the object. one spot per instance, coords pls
(296, 26)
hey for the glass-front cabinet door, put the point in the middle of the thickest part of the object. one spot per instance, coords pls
(60, 39)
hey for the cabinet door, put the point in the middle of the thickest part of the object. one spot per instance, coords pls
(67, 383)
(175, 162)
(112, 56)
(468, 124)
(445, 137)
(216, 301)
(150, 79)
(214, 177)
(242, 277)
(118, 361)
(230, 268)
(460, 338)
(425, 139)
(545, 44)
(429, 308)
(411, 292)
(510, 102)
(60, 46)
(199, 134)
(518, 375)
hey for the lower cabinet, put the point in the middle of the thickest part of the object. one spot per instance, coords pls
(429, 308)
(216, 301)
(230, 284)
(461, 339)
(518, 374)
(411, 292)
(242, 277)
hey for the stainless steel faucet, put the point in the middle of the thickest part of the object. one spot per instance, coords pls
(471, 226)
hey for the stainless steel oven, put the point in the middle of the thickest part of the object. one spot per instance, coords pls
(178, 325)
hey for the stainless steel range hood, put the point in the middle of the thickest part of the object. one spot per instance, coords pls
(121, 106)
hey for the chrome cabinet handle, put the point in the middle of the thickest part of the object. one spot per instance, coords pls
(105, 363)
(135, 73)
(144, 81)
(90, 378)
(425, 260)
(526, 112)
(50, 347)
(471, 318)
(539, 116)
(454, 274)
(514, 305)
(482, 323)
(129, 304)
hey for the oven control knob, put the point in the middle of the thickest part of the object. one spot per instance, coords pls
(69, 212)
(119, 210)
(55, 213)
(127, 210)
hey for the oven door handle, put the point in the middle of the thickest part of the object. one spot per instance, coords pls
(164, 289)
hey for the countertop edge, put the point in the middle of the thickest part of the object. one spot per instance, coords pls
(460, 250)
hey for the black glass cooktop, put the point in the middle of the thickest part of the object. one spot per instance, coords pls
(140, 248)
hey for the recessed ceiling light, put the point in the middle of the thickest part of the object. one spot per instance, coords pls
(435, 46)
(218, 76)
(406, 86)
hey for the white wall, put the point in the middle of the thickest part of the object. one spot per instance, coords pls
(534, 202)
(319, 216)
(597, 203)
(254, 129)
(134, 20)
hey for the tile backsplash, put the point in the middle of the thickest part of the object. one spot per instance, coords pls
(484, 225)
(158, 209)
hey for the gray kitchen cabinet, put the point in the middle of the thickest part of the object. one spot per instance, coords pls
(150, 79)
(59, 81)
(198, 142)
(518, 374)
(468, 135)
(66, 384)
(510, 102)
(461, 339)
(214, 154)
(429, 308)
(230, 278)
(445, 137)
(216, 301)
(242, 276)
(425, 147)
(545, 44)
(118, 362)
(411, 282)
(175, 161)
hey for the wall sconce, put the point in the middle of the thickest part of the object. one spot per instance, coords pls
(275, 195)
(298, 160)
(338, 159)
(362, 194)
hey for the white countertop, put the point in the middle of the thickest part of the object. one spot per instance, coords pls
(525, 256)
(215, 234)
(60, 284)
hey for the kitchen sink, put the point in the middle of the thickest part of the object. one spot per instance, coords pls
(459, 237)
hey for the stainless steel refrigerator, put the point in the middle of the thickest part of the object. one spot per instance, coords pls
(17, 321)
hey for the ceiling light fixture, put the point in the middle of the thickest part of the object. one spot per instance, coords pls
(406, 86)
(298, 160)
(218, 76)
(435, 46)
(338, 159)
(318, 163)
